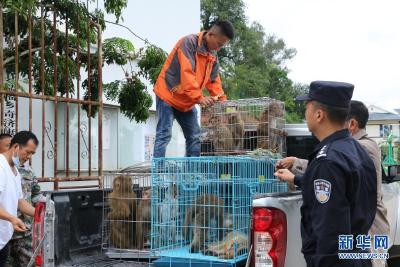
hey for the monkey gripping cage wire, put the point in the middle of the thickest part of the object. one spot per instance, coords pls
(201, 206)
(237, 127)
(125, 231)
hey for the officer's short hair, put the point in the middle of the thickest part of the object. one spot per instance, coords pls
(226, 28)
(359, 112)
(23, 137)
(335, 114)
(5, 135)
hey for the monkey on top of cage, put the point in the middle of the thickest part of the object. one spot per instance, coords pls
(236, 126)
(225, 130)
(270, 128)
(220, 135)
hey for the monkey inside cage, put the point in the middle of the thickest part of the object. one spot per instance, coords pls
(201, 208)
(127, 215)
(237, 127)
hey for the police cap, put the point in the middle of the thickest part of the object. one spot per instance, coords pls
(336, 94)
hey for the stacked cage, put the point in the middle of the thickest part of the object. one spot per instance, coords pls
(201, 208)
(127, 215)
(239, 126)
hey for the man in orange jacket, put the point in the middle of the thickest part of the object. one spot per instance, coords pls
(191, 66)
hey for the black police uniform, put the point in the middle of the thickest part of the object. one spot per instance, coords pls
(338, 188)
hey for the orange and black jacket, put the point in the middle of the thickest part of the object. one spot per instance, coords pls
(189, 68)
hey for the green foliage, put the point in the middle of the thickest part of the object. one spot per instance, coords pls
(111, 90)
(93, 95)
(115, 7)
(117, 51)
(294, 109)
(59, 61)
(151, 61)
(66, 70)
(131, 93)
(134, 100)
(254, 63)
(22, 6)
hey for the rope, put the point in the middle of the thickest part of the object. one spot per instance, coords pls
(36, 252)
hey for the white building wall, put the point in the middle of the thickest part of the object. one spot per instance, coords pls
(396, 130)
(373, 131)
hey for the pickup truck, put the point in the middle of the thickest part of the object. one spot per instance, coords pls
(279, 213)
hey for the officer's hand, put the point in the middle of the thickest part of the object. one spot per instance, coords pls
(285, 163)
(285, 175)
(207, 101)
(18, 225)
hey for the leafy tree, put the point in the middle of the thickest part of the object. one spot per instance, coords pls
(72, 15)
(254, 63)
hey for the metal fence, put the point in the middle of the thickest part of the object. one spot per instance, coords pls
(42, 100)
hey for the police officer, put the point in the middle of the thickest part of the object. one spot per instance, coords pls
(339, 186)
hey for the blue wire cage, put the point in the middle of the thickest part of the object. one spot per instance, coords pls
(201, 206)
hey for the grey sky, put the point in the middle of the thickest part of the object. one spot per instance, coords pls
(354, 41)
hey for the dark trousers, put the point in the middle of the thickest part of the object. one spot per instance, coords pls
(188, 122)
(3, 255)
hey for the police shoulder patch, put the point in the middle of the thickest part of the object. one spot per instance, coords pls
(322, 152)
(322, 190)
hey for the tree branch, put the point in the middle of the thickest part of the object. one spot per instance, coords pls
(9, 59)
(26, 52)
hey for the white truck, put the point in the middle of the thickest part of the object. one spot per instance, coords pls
(275, 225)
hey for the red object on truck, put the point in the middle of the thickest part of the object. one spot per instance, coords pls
(269, 237)
(38, 231)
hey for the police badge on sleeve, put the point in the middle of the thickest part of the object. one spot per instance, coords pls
(322, 190)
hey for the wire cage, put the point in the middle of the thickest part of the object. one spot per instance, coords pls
(238, 126)
(127, 216)
(201, 207)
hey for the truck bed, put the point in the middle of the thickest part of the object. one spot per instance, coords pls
(95, 258)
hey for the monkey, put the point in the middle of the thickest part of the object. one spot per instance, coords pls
(276, 109)
(236, 126)
(262, 130)
(268, 133)
(220, 135)
(121, 234)
(223, 140)
(207, 207)
(122, 202)
(228, 221)
(143, 218)
(205, 118)
(234, 244)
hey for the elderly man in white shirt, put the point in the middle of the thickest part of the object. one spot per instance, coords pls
(22, 147)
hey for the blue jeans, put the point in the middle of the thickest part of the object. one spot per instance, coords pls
(188, 122)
